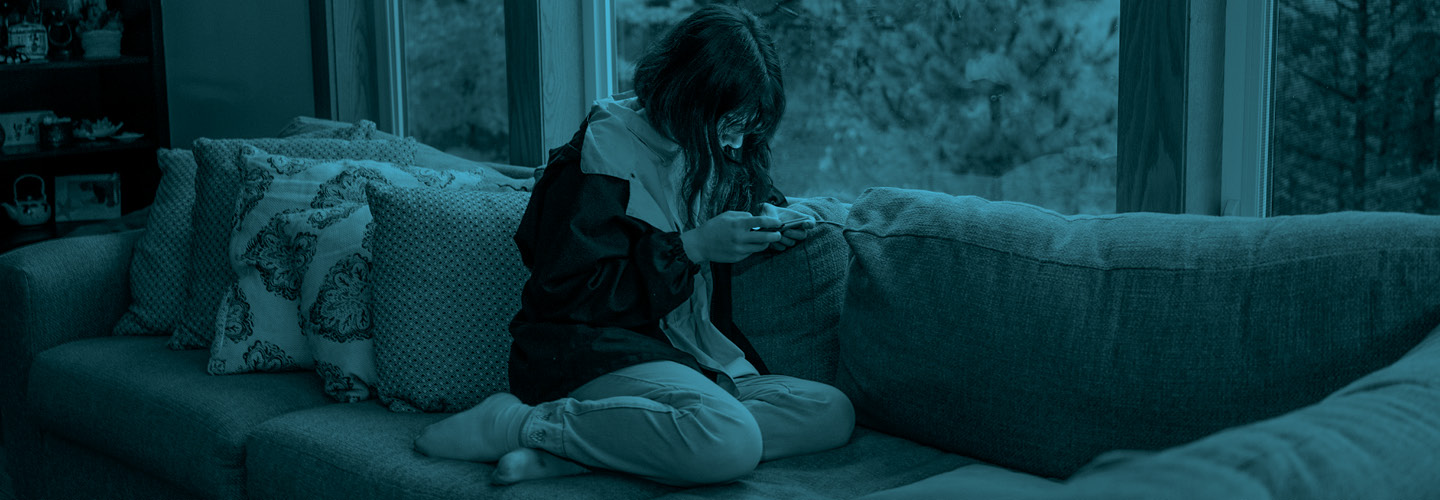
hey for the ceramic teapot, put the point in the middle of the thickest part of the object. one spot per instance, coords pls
(31, 211)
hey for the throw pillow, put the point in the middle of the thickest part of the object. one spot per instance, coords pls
(788, 303)
(257, 308)
(446, 282)
(157, 268)
(217, 185)
(335, 301)
(428, 156)
(319, 128)
(293, 212)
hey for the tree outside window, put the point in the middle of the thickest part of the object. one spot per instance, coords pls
(1356, 100)
(1005, 100)
(455, 77)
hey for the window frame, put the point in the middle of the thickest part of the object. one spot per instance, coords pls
(359, 61)
(1249, 69)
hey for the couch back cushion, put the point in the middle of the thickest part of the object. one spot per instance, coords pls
(788, 303)
(1037, 341)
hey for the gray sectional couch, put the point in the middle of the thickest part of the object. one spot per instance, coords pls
(990, 349)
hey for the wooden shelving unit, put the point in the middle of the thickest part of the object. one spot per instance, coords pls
(129, 89)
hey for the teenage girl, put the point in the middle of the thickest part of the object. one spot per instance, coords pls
(625, 356)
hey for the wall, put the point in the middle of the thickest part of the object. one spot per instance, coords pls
(236, 68)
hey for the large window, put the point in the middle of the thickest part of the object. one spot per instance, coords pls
(1356, 100)
(455, 77)
(1006, 100)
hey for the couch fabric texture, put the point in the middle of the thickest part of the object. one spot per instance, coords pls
(1141, 331)
(1116, 356)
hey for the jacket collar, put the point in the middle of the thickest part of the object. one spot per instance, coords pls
(648, 178)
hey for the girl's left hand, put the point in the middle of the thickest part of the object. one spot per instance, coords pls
(789, 237)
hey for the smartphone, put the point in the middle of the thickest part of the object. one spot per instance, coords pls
(785, 225)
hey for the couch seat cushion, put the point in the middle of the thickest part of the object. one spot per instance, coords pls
(871, 462)
(361, 450)
(356, 451)
(157, 409)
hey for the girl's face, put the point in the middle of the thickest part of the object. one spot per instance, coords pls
(732, 131)
(732, 139)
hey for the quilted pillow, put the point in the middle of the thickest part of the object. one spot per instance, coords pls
(217, 184)
(283, 223)
(446, 283)
(157, 269)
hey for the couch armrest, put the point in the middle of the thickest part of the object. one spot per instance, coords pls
(57, 291)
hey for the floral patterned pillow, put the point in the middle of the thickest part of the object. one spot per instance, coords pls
(219, 174)
(282, 225)
(335, 300)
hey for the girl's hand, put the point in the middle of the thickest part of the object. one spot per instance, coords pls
(727, 238)
(789, 237)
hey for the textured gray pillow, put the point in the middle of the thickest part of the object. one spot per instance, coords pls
(161, 256)
(217, 186)
(1036, 341)
(445, 283)
(788, 303)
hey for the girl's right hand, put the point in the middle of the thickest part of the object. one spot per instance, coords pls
(727, 238)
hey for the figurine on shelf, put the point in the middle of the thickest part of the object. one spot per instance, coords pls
(60, 29)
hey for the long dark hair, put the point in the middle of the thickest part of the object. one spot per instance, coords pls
(718, 63)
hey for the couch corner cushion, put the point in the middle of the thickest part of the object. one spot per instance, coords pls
(1045, 339)
(788, 303)
(363, 451)
(157, 409)
(1374, 439)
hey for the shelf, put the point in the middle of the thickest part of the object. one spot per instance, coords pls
(81, 146)
(75, 64)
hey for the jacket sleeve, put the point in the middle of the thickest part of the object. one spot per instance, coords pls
(591, 263)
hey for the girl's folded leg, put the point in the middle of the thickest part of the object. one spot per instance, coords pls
(796, 416)
(660, 420)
